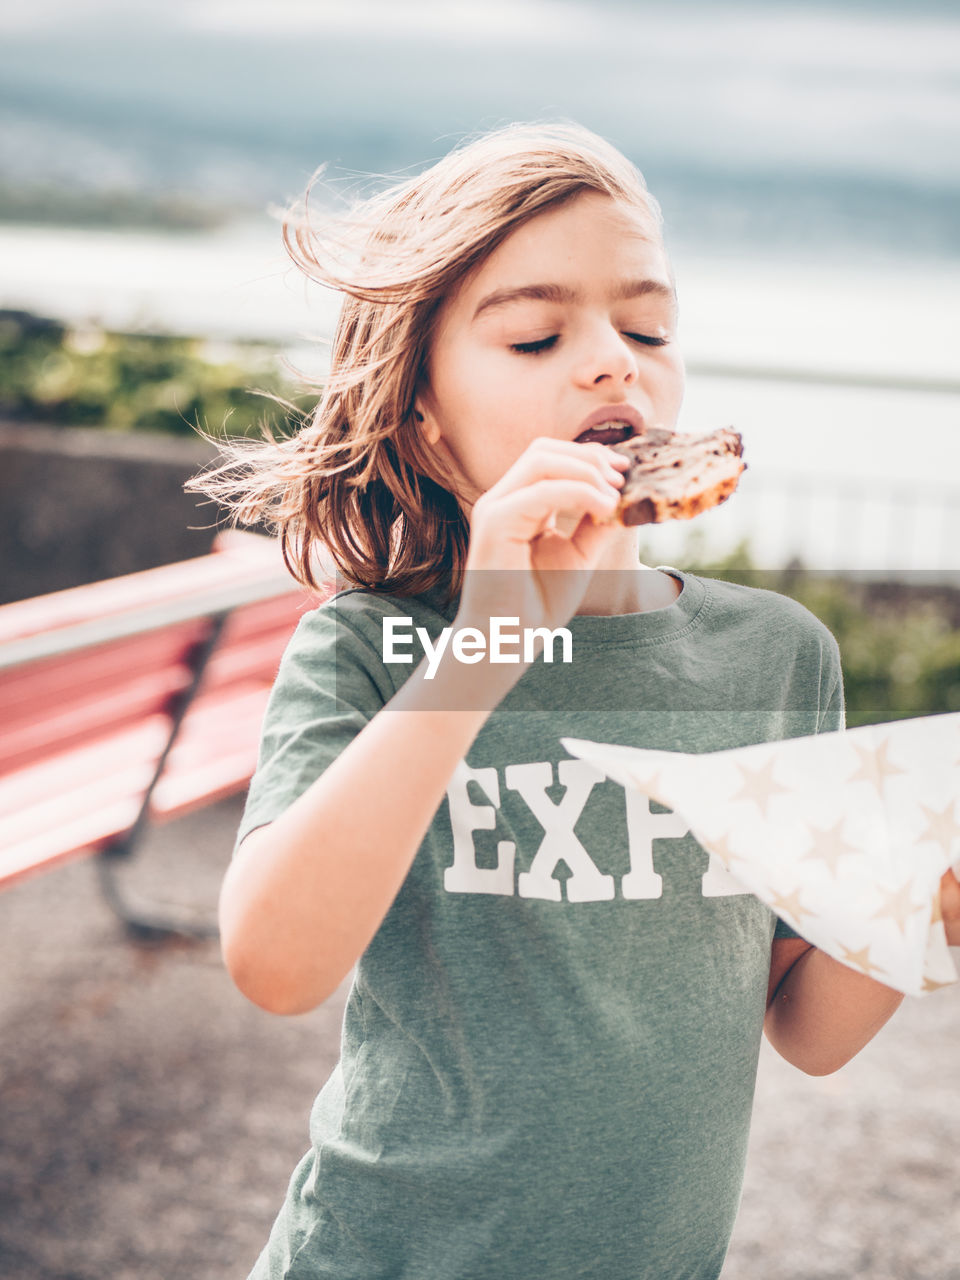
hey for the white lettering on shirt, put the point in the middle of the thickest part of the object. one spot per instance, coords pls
(586, 882)
(465, 818)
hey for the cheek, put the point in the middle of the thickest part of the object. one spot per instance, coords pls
(674, 383)
(465, 385)
(490, 409)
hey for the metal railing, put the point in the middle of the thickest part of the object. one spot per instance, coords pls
(884, 527)
(837, 525)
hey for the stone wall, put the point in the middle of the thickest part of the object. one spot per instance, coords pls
(79, 505)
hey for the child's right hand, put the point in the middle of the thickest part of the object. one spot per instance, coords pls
(531, 569)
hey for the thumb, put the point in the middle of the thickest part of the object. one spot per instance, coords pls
(590, 538)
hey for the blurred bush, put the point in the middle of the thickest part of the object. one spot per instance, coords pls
(133, 382)
(63, 205)
(899, 639)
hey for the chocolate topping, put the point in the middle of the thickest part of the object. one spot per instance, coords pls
(675, 477)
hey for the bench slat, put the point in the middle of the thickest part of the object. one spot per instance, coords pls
(24, 688)
(125, 780)
(76, 770)
(94, 795)
(38, 720)
(236, 563)
(266, 615)
(82, 833)
(89, 678)
(247, 642)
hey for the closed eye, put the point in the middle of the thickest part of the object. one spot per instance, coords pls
(647, 340)
(533, 348)
(544, 344)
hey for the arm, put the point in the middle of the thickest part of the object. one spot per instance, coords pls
(820, 1013)
(305, 894)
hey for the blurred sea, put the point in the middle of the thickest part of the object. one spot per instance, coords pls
(807, 158)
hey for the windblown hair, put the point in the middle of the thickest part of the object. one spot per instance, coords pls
(356, 478)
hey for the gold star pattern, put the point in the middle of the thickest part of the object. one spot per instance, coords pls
(930, 985)
(942, 826)
(843, 864)
(829, 846)
(789, 904)
(898, 906)
(874, 766)
(720, 845)
(653, 786)
(860, 960)
(758, 785)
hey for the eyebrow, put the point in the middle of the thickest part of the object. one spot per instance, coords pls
(563, 293)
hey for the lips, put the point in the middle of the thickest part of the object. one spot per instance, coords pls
(611, 424)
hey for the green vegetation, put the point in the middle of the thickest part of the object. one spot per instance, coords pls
(132, 382)
(899, 641)
(48, 205)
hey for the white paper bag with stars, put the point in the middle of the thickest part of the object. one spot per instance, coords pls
(845, 835)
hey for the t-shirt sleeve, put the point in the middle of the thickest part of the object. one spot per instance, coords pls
(833, 711)
(329, 685)
(831, 719)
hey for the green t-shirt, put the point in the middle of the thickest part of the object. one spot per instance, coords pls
(550, 1046)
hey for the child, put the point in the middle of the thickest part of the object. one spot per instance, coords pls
(550, 1044)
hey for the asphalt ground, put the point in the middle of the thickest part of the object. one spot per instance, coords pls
(150, 1117)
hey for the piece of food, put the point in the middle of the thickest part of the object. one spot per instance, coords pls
(674, 476)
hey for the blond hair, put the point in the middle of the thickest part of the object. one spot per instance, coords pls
(356, 478)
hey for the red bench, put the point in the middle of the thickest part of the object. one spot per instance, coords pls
(137, 700)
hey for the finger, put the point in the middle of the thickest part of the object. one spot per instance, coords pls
(950, 904)
(570, 448)
(580, 551)
(608, 455)
(591, 536)
(555, 499)
(546, 464)
(528, 511)
(575, 446)
(604, 453)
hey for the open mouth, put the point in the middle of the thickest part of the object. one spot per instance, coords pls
(612, 432)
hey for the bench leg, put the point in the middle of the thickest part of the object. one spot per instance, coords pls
(143, 923)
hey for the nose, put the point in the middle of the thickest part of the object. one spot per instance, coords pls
(606, 355)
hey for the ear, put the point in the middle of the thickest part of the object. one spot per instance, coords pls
(426, 419)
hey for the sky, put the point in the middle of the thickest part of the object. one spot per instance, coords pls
(848, 88)
(842, 117)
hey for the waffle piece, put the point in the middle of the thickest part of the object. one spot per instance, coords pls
(675, 476)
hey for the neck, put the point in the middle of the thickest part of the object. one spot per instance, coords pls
(621, 583)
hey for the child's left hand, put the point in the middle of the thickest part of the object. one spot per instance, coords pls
(950, 907)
